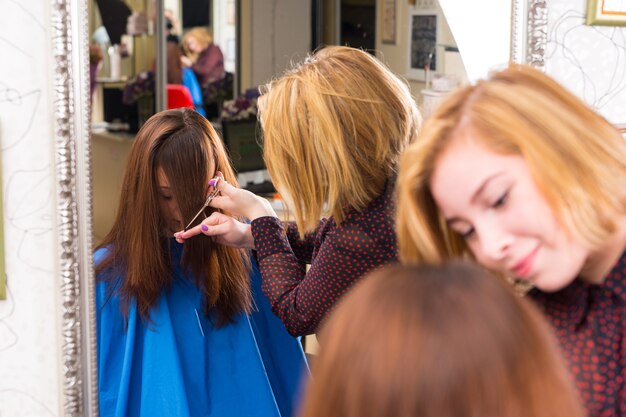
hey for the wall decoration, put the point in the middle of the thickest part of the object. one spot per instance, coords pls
(606, 12)
(424, 4)
(3, 276)
(590, 61)
(388, 21)
(422, 44)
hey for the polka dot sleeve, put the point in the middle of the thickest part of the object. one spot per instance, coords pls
(339, 256)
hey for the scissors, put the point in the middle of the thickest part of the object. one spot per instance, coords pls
(208, 200)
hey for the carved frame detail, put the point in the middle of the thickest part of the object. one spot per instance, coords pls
(529, 34)
(73, 180)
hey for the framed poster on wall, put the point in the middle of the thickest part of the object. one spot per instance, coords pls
(606, 12)
(388, 21)
(422, 44)
(3, 276)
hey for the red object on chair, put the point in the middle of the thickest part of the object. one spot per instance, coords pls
(178, 96)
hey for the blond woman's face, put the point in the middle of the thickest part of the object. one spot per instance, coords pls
(193, 45)
(493, 203)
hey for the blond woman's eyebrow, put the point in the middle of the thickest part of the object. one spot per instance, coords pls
(482, 187)
(451, 220)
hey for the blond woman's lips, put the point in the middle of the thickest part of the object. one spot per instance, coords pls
(524, 267)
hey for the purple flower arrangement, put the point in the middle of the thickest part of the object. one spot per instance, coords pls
(142, 85)
(219, 90)
(243, 107)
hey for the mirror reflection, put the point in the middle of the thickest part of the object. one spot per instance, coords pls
(199, 72)
(219, 52)
(183, 330)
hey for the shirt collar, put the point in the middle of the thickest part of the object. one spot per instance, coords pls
(616, 279)
(576, 298)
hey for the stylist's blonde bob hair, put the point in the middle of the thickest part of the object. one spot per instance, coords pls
(333, 129)
(201, 35)
(576, 158)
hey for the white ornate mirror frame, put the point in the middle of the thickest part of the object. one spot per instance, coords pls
(73, 169)
(529, 37)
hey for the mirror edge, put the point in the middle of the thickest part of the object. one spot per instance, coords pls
(529, 32)
(161, 57)
(517, 31)
(72, 107)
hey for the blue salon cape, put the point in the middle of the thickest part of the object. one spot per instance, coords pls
(191, 82)
(180, 365)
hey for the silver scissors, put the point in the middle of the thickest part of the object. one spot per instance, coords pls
(208, 200)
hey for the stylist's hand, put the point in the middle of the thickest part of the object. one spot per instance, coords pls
(223, 229)
(241, 203)
(185, 61)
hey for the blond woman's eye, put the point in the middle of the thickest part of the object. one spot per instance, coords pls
(501, 201)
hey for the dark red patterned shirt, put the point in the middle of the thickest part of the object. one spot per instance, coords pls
(339, 256)
(589, 321)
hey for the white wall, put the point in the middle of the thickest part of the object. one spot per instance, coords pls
(280, 33)
(480, 29)
(29, 324)
(225, 31)
(589, 60)
(397, 55)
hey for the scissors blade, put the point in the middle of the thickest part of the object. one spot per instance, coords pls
(206, 204)
(194, 218)
(208, 200)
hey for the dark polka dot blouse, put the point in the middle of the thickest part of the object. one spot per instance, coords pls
(589, 322)
(338, 254)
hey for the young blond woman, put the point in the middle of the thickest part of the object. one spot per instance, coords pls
(333, 129)
(184, 331)
(428, 341)
(519, 174)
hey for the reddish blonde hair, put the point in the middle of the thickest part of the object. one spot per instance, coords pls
(576, 158)
(428, 341)
(184, 145)
(202, 35)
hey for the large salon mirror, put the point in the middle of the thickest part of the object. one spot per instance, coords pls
(259, 39)
(423, 42)
(137, 69)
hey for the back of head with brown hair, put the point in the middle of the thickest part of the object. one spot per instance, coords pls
(448, 341)
(184, 145)
(576, 158)
(333, 129)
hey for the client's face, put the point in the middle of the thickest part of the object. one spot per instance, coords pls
(169, 206)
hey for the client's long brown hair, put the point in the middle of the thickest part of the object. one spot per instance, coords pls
(184, 145)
